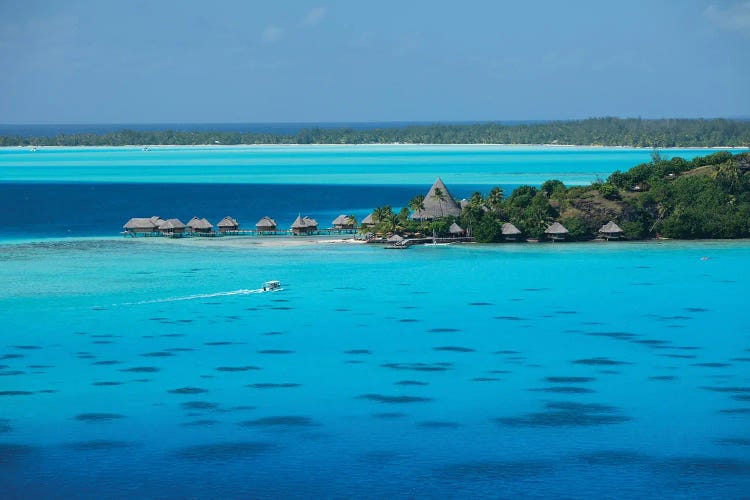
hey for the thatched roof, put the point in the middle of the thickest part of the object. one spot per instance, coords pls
(556, 228)
(171, 224)
(434, 207)
(301, 222)
(266, 222)
(396, 238)
(196, 223)
(455, 229)
(310, 221)
(510, 230)
(610, 228)
(369, 220)
(156, 220)
(140, 223)
(343, 220)
(228, 222)
(463, 203)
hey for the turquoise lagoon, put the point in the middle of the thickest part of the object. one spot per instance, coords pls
(151, 368)
(358, 165)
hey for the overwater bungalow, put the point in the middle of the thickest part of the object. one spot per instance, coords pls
(200, 226)
(395, 239)
(556, 232)
(266, 225)
(510, 232)
(172, 227)
(343, 222)
(456, 230)
(156, 221)
(228, 225)
(304, 225)
(437, 204)
(610, 231)
(140, 225)
(368, 222)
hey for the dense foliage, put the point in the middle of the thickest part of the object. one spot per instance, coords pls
(708, 197)
(600, 131)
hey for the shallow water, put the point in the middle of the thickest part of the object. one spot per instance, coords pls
(131, 367)
(348, 165)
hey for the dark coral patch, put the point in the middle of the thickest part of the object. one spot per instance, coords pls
(199, 405)
(707, 466)
(613, 457)
(564, 389)
(221, 342)
(382, 398)
(510, 318)
(5, 425)
(180, 349)
(567, 414)
(453, 348)
(410, 382)
(734, 441)
(489, 471)
(601, 361)
(15, 393)
(158, 354)
(484, 379)
(280, 421)
(107, 383)
(271, 385)
(481, 304)
(358, 351)
(443, 330)
(13, 454)
(712, 365)
(11, 356)
(27, 347)
(419, 367)
(141, 369)
(106, 363)
(663, 377)
(187, 390)
(10, 373)
(569, 380)
(98, 417)
(236, 368)
(224, 451)
(408, 320)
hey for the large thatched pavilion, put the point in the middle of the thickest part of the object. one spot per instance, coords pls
(437, 204)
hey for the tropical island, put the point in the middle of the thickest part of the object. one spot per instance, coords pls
(708, 197)
(608, 131)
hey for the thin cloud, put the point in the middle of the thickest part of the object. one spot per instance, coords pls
(734, 17)
(314, 16)
(271, 34)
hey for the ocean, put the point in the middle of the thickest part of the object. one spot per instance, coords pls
(159, 368)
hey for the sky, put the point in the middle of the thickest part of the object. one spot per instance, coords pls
(183, 61)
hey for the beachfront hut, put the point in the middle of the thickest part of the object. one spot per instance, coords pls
(172, 227)
(304, 225)
(610, 231)
(140, 225)
(368, 222)
(510, 232)
(266, 225)
(437, 204)
(556, 232)
(228, 224)
(200, 226)
(456, 230)
(343, 222)
(396, 239)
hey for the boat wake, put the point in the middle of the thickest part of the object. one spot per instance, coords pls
(198, 296)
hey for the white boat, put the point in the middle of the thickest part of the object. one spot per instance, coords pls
(271, 286)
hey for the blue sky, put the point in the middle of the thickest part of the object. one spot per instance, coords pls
(101, 61)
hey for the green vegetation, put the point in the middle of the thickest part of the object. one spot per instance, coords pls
(708, 197)
(594, 131)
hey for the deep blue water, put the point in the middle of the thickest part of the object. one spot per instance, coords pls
(101, 209)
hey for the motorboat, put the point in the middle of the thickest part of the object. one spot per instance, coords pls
(271, 286)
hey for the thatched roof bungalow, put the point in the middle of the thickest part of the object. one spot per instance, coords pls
(141, 225)
(456, 230)
(368, 221)
(172, 227)
(556, 231)
(228, 224)
(437, 204)
(611, 231)
(266, 224)
(304, 225)
(343, 222)
(396, 239)
(510, 232)
(199, 226)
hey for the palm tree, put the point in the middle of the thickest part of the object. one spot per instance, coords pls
(385, 218)
(495, 199)
(351, 219)
(417, 203)
(440, 195)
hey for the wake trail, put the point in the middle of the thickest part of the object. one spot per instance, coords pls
(195, 297)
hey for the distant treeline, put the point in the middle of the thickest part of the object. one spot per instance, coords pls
(633, 132)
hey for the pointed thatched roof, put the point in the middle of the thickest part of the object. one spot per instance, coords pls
(266, 222)
(610, 228)
(140, 223)
(156, 220)
(556, 228)
(310, 221)
(342, 220)
(436, 207)
(369, 220)
(396, 238)
(510, 230)
(196, 223)
(455, 229)
(301, 222)
(171, 224)
(228, 222)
